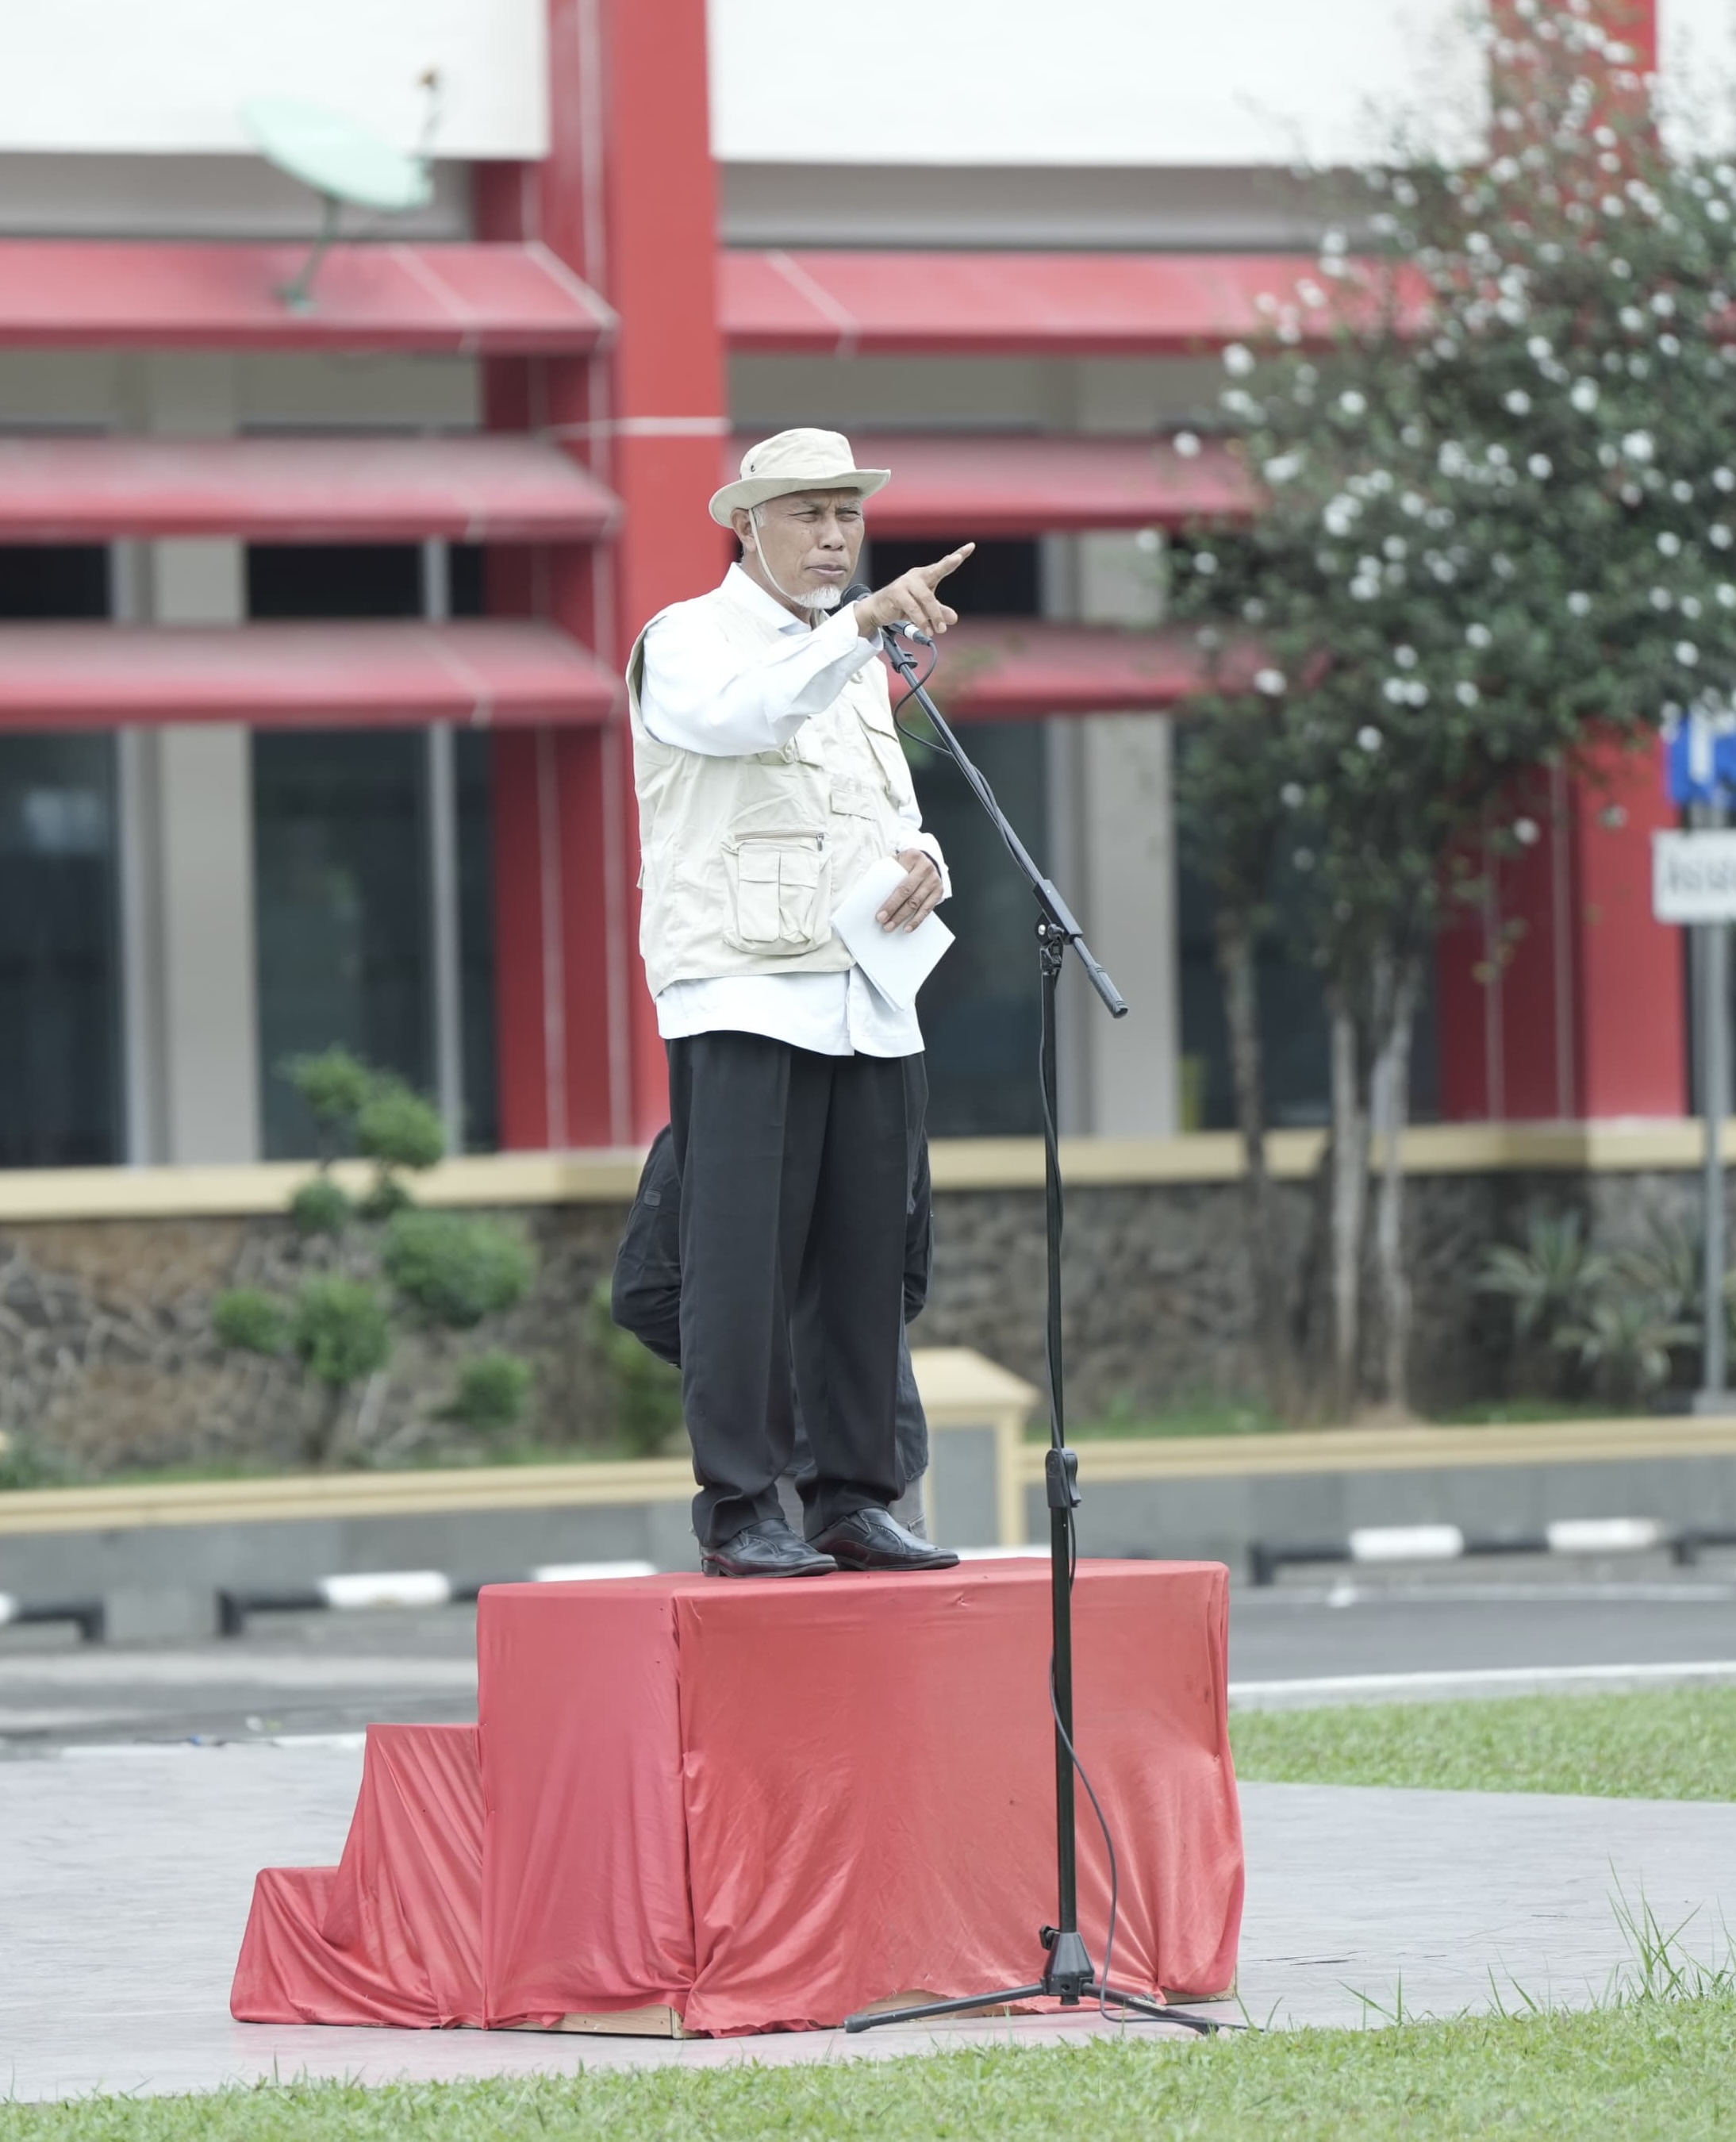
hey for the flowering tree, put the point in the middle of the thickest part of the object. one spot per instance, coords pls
(1499, 530)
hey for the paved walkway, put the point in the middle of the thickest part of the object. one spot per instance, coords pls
(124, 1878)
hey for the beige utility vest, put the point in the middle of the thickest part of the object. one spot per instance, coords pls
(745, 859)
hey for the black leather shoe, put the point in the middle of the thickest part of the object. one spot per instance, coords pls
(874, 1539)
(766, 1549)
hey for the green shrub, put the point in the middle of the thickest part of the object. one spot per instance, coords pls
(443, 1268)
(453, 1270)
(321, 1207)
(645, 1393)
(339, 1330)
(334, 1085)
(250, 1321)
(491, 1392)
(398, 1128)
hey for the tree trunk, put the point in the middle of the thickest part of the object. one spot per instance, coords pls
(1392, 1088)
(320, 1443)
(1238, 972)
(1349, 1202)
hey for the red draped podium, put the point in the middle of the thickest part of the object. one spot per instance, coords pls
(763, 1805)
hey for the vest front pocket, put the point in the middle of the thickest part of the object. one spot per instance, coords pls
(780, 886)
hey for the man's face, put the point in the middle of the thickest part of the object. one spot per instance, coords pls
(802, 548)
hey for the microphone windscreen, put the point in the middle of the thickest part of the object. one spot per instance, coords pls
(856, 592)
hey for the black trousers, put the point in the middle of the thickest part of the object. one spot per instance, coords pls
(795, 1172)
(645, 1294)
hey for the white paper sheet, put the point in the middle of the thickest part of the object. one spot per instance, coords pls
(898, 962)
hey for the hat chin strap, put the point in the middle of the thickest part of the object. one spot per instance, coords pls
(820, 599)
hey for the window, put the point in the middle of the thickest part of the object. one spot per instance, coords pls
(341, 861)
(980, 1013)
(60, 967)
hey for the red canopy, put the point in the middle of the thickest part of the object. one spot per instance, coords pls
(1024, 484)
(490, 487)
(298, 676)
(496, 300)
(1034, 304)
(1012, 671)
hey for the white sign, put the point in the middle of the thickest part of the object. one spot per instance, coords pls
(1694, 877)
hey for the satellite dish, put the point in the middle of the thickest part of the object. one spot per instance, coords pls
(345, 164)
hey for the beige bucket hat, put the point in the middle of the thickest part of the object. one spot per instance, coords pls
(801, 460)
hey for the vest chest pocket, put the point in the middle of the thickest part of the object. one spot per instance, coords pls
(779, 888)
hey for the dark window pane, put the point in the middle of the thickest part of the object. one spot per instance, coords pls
(979, 1007)
(476, 923)
(60, 987)
(340, 849)
(334, 579)
(55, 580)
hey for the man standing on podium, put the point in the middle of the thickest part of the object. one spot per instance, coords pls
(770, 778)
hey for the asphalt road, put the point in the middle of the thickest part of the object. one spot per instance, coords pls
(293, 1676)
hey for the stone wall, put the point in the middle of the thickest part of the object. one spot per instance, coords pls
(107, 1362)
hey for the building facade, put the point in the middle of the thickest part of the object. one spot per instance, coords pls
(311, 617)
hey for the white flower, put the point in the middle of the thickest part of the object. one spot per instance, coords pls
(1663, 304)
(1686, 653)
(1394, 689)
(1667, 346)
(1186, 444)
(1660, 598)
(1724, 478)
(1721, 535)
(1352, 403)
(1238, 360)
(1681, 490)
(1637, 446)
(1339, 515)
(1690, 605)
(1281, 468)
(1405, 656)
(1670, 543)
(1632, 319)
(1540, 466)
(1417, 692)
(1727, 594)
(1583, 396)
(1479, 635)
(1292, 795)
(1269, 681)
(1527, 832)
(1205, 562)
(1539, 348)
(1516, 401)
(1465, 693)
(1362, 591)
(1395, 547)
(1148, 539)
(1579, 606)
(1370, 737)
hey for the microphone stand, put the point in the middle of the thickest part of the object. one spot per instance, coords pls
(1069, 1976)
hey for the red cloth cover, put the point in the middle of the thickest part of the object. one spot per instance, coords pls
(768, 1805)
(393, 1933)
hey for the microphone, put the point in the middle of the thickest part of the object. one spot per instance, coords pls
(859, 591)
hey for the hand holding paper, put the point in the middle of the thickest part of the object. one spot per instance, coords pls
(898, 962)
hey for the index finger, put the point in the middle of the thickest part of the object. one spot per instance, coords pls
(950, 564)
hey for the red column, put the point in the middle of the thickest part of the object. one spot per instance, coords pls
(1559, 996)
(627, 198)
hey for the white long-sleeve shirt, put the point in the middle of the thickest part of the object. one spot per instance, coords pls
(701, 693)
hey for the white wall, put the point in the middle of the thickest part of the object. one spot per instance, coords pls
(1095, 82)
(165, 76)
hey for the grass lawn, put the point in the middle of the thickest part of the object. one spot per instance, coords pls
(1650, 2071)
(1671, 1744)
